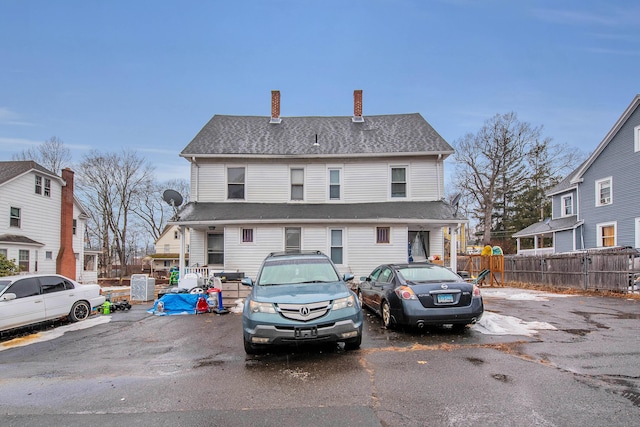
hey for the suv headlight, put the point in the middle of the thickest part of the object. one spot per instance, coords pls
(347, 302)
(261, 307)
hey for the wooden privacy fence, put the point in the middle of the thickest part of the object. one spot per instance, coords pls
(613, 270)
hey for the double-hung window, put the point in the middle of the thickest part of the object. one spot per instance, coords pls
(636, 139)
(334, 184)
(14, 217)
(38, 184)
(567, 205)
(235, 183)
(297, 184)
(398, 182)
(47, 187)
(604, 192)
(337, 249)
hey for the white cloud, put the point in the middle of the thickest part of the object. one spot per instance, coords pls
(8, 117)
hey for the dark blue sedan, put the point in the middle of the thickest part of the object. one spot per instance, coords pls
(419, 295)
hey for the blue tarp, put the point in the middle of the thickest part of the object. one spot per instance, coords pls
(176, 304)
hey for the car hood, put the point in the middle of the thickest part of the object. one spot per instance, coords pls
(303, 293)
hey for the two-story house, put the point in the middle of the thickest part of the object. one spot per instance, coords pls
(43, 223)
(598, 204)
(167, 248)
(363, 189)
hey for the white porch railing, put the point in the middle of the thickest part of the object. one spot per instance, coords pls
(537, 251)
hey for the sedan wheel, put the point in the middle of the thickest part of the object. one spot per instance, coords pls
(386, 315)
(79, 311)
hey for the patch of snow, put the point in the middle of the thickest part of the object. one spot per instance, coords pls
(497, 324)
(54, 333)
(520, 294)
(238, 307)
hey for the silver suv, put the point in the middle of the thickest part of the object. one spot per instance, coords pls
(300, 298)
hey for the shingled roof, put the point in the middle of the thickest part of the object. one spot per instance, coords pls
(204, 213)
(12, 169)
(255, 136)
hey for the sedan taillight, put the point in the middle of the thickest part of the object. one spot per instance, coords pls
(476, 291)
(405, 292)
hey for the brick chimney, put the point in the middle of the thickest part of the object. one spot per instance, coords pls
(66, 259)
(357, 105)
(275, 107)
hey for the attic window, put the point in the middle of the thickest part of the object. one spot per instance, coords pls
(636, 139)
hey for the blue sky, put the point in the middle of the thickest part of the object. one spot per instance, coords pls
(148, 75)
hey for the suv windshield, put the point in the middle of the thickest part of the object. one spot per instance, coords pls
(297, 270)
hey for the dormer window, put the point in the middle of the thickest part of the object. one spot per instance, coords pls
(636, 139)
(567, 205)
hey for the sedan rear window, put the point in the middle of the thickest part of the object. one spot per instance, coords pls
(428, 273)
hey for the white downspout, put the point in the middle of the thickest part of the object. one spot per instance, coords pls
(181, 262)
(453, 253)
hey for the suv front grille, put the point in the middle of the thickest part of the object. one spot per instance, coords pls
(304, 312)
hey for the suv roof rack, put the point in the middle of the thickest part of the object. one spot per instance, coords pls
(285, 253)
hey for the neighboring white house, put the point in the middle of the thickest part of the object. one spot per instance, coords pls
(167, 253)
(598, 204)
(43, 224)
(363, 189)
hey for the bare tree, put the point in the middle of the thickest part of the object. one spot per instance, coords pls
(489, 166)
(152, 211)
(52, 154)
(110, 184)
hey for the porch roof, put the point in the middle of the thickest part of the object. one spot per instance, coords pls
(195, 213)
(545, 227)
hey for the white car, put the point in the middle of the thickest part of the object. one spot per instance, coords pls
(35, 298)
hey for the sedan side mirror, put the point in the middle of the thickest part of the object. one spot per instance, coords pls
(348, 276)
(365, 279)
(8, 297)
(247, 281)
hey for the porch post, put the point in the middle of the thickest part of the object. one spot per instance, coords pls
(453, 253)
(181, 262)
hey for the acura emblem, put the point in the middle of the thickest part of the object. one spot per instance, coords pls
(444, 286)
(304, 311)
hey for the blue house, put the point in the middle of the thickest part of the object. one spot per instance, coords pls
(598, 204)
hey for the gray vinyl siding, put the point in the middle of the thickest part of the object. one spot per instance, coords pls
(563, 241)
(556, 204)
(618, 161)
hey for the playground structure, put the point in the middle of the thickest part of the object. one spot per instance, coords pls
(486, 268)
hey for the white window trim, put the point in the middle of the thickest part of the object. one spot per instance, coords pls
(344, 249)
(599, 228)
(562, 205)
(304, 184)
(636, 139)
(253, 236)
(597, 189)
(406, 179)
(341, 173)
(375, 235)
(226, 182)
(637, 222)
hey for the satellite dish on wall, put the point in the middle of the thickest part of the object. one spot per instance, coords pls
(174, 199)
